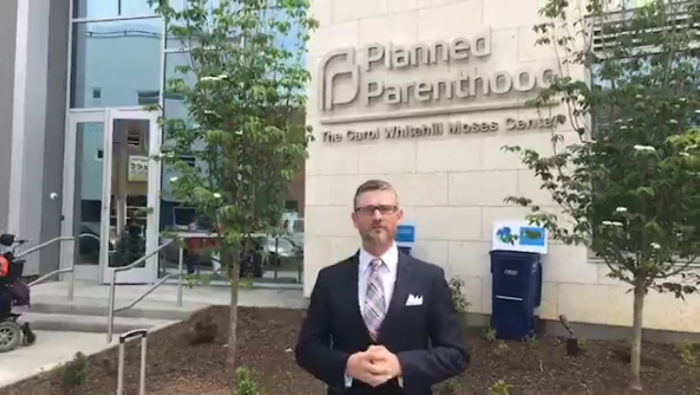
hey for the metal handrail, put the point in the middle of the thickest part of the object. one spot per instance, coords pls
(91, 236)
(70, 269)
(45, 244)
(140, 260)
(143, 334)
(113, 283)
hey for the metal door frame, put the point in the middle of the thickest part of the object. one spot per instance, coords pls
(100, 272)
(70, 161)
(149, 273)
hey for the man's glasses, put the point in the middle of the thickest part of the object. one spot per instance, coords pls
(383, 209)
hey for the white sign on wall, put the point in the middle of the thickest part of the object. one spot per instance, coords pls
(519, 236)
(138, 168)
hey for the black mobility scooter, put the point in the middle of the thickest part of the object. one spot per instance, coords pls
(13, 292)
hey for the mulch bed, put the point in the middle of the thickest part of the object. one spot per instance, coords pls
(266, 336)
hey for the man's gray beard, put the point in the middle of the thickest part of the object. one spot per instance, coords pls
(377, 238)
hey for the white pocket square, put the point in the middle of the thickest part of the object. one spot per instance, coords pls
(414, 300)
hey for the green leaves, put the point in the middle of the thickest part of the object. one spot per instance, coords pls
(630, 188)
(243, 135)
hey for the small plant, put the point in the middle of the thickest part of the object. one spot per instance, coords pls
(459, 299)
(490, 335)
(583, 344)
(685, 351)
(501, 348)
(449, 387)
(530, 339)
(500, 387)
(74, 373)
(245, 385)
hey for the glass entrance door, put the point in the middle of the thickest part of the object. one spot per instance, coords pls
(84, 163)
(110, 193)
(131, 202)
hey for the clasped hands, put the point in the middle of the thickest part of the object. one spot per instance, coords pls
(374, 367)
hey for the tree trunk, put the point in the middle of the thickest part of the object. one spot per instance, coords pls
(635, 383)
(234, 273)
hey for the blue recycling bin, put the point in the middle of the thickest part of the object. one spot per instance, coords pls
(405, 237)
(516, 292)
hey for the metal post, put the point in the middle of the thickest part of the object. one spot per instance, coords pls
(299, 266)
(143, 333)
(278, 261)
(71, 274)
(110, 313)
(120, 368)
(180, 258)
(142, 373)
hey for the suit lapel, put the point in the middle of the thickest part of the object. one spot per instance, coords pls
(351, 289)
(402, 288)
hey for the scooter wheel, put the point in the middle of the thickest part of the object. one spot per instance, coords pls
(10, 336)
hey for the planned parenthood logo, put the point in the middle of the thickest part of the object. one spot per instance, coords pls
(344, 65)
(467, 77)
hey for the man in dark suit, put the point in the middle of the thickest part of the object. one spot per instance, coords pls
(381, 322)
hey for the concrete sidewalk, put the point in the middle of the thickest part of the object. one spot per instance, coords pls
(50, 350)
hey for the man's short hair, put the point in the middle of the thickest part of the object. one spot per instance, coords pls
(373, 185)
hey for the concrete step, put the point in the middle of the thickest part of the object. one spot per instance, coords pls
(98, 307)
(88, 323)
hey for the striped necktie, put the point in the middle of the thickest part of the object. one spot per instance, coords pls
(375, 303)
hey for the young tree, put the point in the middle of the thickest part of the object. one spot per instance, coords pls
(629, 189)
(244, 90)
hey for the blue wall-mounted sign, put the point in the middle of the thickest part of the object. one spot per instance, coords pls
(406, 234)
(519, 236)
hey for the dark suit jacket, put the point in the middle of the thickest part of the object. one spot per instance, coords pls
(427, 339)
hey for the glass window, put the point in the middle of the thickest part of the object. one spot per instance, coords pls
(181, 5)
(123, 58)
(95, 9)
(149, 97)
(173, 108)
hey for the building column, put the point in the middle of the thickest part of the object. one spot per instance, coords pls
(8, 31)
(28, 124)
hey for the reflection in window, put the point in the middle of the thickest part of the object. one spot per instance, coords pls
(123, 58)
(173, 108)
(95, 9)
(189, 160)
(149, 97)
(289, 41)
(603, 116)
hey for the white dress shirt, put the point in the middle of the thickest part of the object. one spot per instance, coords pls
(387, 276)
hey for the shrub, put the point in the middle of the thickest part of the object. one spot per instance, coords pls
(245, 385)
(685, 351)
(500, 387)
(203, 329)
(449, 387)
(490, 335)
(74, 373)
(459, 299)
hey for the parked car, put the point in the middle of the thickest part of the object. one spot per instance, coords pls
(278, 250)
